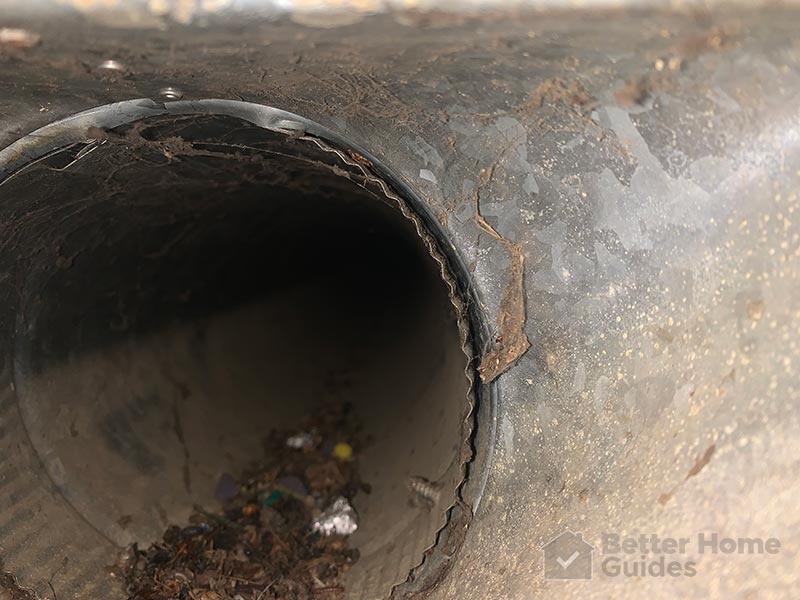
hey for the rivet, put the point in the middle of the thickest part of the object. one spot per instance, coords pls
(171, 93)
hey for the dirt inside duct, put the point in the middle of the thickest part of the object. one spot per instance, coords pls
(282, 530)
(184, 288)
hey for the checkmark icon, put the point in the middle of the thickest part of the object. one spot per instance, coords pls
(567, 556)
(566, 563)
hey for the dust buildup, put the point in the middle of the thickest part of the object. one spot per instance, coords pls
(262, 545)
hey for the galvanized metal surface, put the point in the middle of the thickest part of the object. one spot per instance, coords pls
(645, 166)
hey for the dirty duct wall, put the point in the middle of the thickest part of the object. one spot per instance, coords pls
(620, 189)
(198, 282)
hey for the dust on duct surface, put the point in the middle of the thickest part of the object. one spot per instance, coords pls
(195, 282)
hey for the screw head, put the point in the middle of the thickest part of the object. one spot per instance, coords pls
(171, 93)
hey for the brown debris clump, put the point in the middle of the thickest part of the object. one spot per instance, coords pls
(558, 90)
(636, 91)
(261, 545)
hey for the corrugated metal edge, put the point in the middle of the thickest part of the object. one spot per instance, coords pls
(457, 511)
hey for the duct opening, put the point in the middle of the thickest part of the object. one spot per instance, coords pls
(186, 285)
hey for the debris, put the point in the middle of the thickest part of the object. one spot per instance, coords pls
(702, 461)
(635, 92)
(124, 521)
(300, 440)
(227, 488)
(343, 451)
(65, 262)
(272, 498)
(280, 532)
(293, 486)
(18, 38)
(755, 310)
(557, 90)
(340, 519)
(326, 477)
(272, 520)
(718, 38)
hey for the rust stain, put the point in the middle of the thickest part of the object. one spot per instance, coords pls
(698, 466)
(702, 461)
(511, 342)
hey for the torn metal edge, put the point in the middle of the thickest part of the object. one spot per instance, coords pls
(28, 592)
